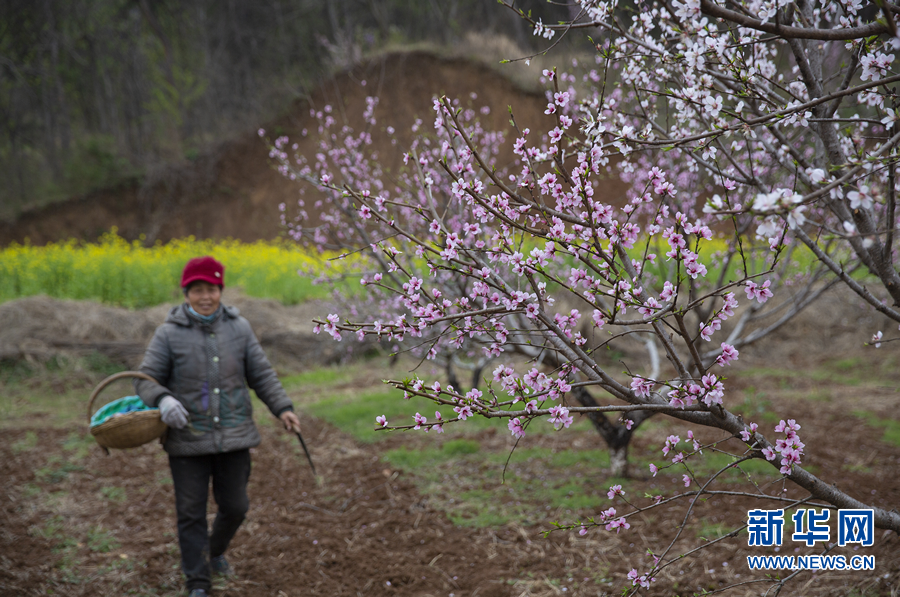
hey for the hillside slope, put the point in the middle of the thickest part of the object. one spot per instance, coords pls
(235, 192)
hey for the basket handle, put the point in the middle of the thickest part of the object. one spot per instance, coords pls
(109, 380)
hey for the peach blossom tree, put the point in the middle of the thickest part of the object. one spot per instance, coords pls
(757, 139)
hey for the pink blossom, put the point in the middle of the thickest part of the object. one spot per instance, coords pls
(645, 579)
(746, 434)
(671, 442)
(560, 417)
(649, 307)
(439, 428)
(641, 387)
(760, 292)
(668, 291)
(381, 420)
(687, 480)
(331, 327)
(561, 98)
(729, 353)
(463, 412)
(786, 426)
(618, 525)
(515, 427)
(614, 491)
(860, 199)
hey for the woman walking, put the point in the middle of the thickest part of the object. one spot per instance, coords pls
(204, 358)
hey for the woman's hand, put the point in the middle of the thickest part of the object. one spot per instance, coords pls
(291, 421)
(173, 413)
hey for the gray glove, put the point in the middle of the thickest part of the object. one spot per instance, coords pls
(173, 413)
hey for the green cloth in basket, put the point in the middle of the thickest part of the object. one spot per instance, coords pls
(118, 407)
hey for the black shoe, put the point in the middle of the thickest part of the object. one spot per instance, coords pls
(198, 593)
(219, 565)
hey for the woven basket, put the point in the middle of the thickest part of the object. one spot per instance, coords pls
(128, 430)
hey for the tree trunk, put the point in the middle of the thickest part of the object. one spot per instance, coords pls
(616, 436)
(618, 461)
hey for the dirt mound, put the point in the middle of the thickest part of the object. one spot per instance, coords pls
(39, 328)
(235, 192)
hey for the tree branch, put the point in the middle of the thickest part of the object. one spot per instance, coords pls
(712, 9)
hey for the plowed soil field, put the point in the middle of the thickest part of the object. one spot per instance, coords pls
(77, 522)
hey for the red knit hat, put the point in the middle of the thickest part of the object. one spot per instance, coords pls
(206, 269)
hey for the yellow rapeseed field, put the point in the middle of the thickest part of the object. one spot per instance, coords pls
(119, 272)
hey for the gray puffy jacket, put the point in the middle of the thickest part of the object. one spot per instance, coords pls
(208, 369)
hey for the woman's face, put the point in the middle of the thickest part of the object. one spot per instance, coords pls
(204, 297)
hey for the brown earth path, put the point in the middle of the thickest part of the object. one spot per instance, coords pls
(363, 530)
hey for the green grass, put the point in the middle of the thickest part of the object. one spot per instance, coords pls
(28, 442)
(853, 371)
(354, 411)
(79, 444)
(56, 470)
(114, 494)
(56, 392)
(55, 410)
(355, 414)
(711, 462)
(460, 447)
(323, 376)
(52, 529)
(101, 541)
(485, 493)
(891, 434)
(710, 531)
(410, 459)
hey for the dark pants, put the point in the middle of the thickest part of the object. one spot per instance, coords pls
(190, 475)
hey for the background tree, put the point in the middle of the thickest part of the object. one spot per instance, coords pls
(100, 92)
